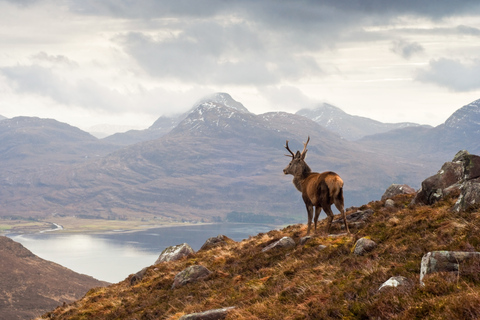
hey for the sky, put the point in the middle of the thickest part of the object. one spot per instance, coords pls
(126, 63)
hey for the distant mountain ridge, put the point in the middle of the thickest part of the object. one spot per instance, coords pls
(348, 126)
(165, 124)
(460, 131)
(30, 286)
(217, 159)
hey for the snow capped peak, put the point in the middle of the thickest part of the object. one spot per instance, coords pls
(223, 99)
(467, 115)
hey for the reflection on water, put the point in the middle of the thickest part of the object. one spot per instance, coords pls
(113, 256)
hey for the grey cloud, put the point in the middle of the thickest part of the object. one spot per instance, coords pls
(466, 30)
(406, 49)
(305, 11)
(452, 74)
(55, 60)
(207, 52)
(44, 82)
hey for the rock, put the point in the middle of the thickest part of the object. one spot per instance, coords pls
(389, 203)
(471, 164)
(217, 314)
(285, 242)
(215, 241)
(462, 175)
(137, 277)
(321, 247)
(174, 253)
(449, 261)
(364, 245)
(396, 189)
(432, 187)
(305, 239)
(355, 219)
(394, 282)
(191, 274)
(469, 196)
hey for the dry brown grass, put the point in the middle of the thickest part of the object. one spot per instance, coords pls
(308, 283)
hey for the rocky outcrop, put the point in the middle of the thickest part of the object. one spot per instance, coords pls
(449, 261)
(285, 242)
(174, 253)
(216, 314)
(191, 274)
(461, 176)
(396, 189)
(363, 245)
(215, 241)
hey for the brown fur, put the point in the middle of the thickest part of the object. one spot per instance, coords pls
(319, 190)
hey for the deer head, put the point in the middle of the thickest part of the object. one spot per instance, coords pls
(297, 165)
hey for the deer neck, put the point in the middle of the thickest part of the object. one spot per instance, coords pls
(299, 178)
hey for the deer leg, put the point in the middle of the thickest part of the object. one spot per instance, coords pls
(318, 209)
(339, 205)
(310, 216)
(329, 213)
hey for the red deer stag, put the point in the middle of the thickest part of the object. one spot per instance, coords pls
(319, 190)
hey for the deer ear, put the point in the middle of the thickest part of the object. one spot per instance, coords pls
(304, 154)
(298, 155)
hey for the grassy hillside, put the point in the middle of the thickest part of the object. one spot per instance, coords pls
(307, 282)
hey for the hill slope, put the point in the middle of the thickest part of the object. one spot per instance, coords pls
(308, 281)
(29, 285)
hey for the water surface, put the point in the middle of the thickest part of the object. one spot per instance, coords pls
(113, 256)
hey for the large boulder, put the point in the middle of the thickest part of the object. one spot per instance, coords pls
(215, 241)
(461, 176)
(174, 253)
(285, 242)
(216, 314)
(449, 261)
(363, 245)
(396, 189)
(191, 274)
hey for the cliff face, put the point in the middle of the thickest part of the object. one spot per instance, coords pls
(29, 285)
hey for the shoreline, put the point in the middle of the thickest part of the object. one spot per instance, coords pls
(71, 225)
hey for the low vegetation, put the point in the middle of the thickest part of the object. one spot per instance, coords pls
(308, 282)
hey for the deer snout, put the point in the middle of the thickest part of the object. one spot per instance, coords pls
(285, 171)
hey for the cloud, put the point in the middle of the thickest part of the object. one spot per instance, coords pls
(212, 53)
(287, 98)
(406, 49)
(452, 74)
(90, 95)
(45, 82)
(54, 60)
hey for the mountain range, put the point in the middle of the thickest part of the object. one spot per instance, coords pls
(29, 285)
(215, 159)
(349, 126)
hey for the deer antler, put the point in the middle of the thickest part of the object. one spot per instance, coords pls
(292, 155)
(304, 152)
